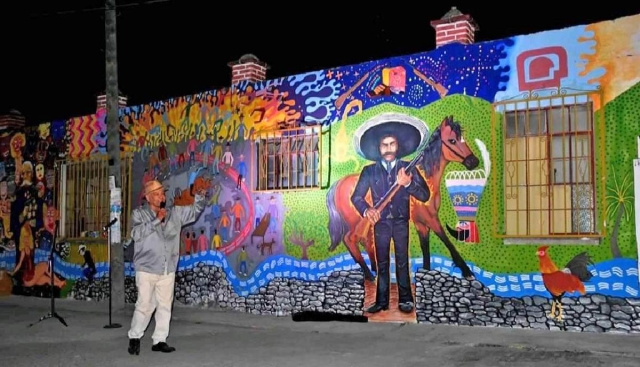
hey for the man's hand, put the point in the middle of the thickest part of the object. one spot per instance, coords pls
(161, 214)
(403, 178)
(373, 215)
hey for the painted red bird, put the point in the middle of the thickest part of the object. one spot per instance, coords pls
(568, 280)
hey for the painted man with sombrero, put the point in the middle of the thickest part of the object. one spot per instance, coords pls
(156, 231)
(385, 139)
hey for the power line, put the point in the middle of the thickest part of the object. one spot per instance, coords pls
(102, 9)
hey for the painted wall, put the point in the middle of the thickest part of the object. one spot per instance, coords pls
(309, 267)
(27, 185)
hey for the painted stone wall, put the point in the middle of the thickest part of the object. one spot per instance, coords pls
(307, 258)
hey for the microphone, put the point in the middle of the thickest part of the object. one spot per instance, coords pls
(162, 206)
(113, 221)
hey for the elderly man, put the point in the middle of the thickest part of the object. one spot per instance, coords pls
(156, 234)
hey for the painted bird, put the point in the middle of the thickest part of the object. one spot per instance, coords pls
(568, 280)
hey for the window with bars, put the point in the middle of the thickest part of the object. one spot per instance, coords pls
(83, 195)
(288, 159)
(549, 164)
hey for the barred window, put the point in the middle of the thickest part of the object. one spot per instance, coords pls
(288, 159)
(83, 197)
(549, 164)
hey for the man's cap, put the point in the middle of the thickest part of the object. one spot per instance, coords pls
(152, 186)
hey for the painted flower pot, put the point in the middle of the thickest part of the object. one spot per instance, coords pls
(465, 191)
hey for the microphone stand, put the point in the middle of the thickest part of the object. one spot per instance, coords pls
(110, 325)
(52, 313)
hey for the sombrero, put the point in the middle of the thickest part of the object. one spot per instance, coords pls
(152, 186)
(411, 133)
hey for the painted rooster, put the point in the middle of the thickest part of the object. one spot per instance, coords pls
(568, 280)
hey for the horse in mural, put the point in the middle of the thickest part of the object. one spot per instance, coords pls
(187, 196)
(446, 144)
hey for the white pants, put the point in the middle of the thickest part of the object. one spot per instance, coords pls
(155, 292)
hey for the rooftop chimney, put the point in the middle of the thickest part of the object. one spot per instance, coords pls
(455, 27)
(12, 120)
(102, 100)
(250, 68)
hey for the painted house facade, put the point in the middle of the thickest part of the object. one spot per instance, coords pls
(520, 211)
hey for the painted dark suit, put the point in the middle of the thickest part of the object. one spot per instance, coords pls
(393, 223)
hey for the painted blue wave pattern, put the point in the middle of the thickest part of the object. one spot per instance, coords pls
(617, 277)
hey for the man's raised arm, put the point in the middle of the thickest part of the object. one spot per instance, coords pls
(189, 214)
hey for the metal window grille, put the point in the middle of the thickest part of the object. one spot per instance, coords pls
(82, 195)
(549, 167)
(288, 159)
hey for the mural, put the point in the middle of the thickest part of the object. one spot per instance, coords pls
(422, 242)
(27, 210)
(385, 141)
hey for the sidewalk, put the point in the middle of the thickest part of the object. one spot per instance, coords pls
(214, 337)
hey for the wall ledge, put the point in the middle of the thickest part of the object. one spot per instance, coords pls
(552, 241)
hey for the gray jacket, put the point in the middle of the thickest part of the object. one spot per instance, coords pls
(157, 245)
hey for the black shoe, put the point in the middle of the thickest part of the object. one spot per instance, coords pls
(134, 346)
(163, 347)
(406, 307)
(375, 308)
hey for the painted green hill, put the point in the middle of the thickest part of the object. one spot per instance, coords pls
(307, 210)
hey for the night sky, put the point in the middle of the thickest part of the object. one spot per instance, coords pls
(53, 52)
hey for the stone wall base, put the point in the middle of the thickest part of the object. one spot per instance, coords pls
(207, 286)
(445, 299)
(440, 299)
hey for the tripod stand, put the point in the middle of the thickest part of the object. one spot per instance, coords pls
(110, 325)
(52, 313)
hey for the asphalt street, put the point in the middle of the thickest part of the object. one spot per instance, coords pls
(214, 337)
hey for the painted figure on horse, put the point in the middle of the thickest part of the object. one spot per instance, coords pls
(381, 197)
(446, 144)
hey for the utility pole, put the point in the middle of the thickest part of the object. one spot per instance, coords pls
(113, 149)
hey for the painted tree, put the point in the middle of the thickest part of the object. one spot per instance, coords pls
(298, 239)
(620, 204)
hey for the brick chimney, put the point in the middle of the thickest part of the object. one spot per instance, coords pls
(249, 67)
(102, 100)
(455, 27)
(14, 119)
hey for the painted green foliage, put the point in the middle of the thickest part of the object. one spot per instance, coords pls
(307, 210)
(622, 119)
